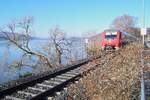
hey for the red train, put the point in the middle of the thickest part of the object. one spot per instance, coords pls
(111, 39)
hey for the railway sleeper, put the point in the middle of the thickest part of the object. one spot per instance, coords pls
(44, 85)
(70, 75)
(41, 87)
(53, 82)
(21, 95)
(26, 93)
(76, 72)
(32, 91)
(58, 79)
(36, 89)
(64, 77)
(12, 98)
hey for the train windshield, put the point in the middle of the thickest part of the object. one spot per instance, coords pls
(111, 35)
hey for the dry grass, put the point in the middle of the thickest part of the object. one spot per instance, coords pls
(117, 79)
(93, 49)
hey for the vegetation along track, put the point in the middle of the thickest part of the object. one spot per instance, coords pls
(47, 84)
(145, 86)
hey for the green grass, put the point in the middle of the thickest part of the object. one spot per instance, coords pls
(25, 75)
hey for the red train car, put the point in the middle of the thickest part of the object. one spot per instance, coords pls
(111, 39)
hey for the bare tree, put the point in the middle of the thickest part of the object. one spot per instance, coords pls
(19, 34)
(126, 23)
(93, 45)
(60, 43)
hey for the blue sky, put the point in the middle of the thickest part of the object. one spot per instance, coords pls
(73, 16)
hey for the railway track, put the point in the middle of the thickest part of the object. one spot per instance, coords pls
(145, 71)
(42, 86)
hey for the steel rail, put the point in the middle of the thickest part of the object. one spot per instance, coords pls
(48, 83)
(25, 84)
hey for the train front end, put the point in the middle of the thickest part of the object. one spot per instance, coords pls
(110, 40)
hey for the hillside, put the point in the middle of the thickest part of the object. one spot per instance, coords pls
(117, 79)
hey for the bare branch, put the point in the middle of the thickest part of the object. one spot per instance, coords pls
(58, 39)
(21, 32)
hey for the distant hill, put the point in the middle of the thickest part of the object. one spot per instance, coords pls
(20, 36)
(95, 38)
(76, 38)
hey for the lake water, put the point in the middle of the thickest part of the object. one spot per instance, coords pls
(9, 53)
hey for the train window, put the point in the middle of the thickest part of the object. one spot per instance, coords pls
(108, 37)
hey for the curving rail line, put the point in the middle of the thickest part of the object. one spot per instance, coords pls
(48, 83)
(42, 86)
